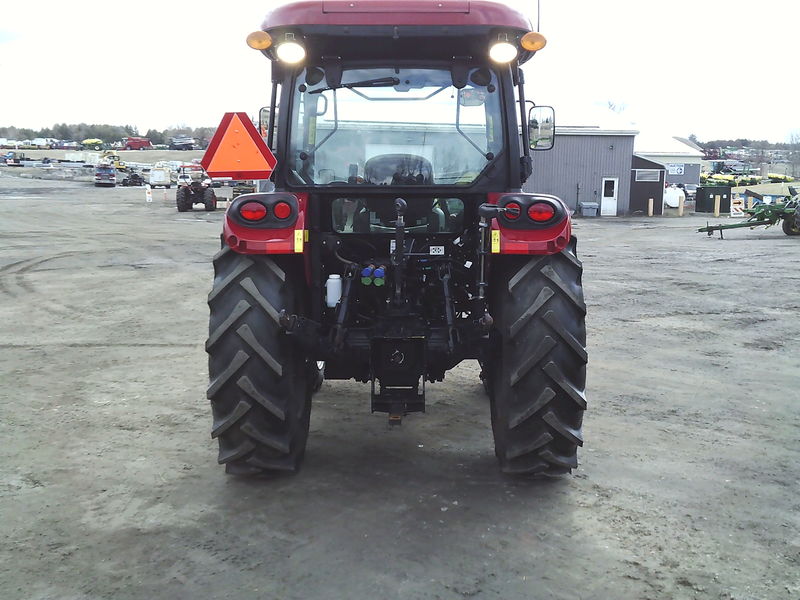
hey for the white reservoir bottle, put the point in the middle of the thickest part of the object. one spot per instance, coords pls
(333, 290)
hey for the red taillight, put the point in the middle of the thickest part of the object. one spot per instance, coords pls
(541, 212)
(513, 211)
(282, 210)
(253, 211)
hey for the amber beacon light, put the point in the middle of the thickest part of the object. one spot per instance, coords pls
(533, 41)
(259, 40)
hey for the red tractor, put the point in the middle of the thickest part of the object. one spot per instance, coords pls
(194, 187)
(397, 241)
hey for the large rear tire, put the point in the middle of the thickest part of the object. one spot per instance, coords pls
(183, 199)
(537, 374)
(791, 224)
(209, 199)
(260, 385)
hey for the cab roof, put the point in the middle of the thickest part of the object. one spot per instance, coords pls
(396, 12)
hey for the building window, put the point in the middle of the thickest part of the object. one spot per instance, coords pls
(648, 175)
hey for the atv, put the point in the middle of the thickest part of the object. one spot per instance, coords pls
(133, 179)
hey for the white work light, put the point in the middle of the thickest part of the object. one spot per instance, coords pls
(290, 51)
(502, 51)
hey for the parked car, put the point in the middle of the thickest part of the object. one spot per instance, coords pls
(105, 174)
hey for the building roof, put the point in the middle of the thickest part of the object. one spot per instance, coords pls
(690, 143)
(577, 130)
(651, 143)
(651, 164)
(591, 119)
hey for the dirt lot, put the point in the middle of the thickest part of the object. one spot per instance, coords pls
(109, 488)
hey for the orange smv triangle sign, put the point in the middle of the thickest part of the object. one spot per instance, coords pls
(238, 151)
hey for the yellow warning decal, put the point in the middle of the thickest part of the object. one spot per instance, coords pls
(495, 241)
(298, 240)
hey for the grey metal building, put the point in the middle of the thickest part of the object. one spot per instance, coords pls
(680, 157)
(587, 164)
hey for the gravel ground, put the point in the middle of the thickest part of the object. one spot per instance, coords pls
(688, 480)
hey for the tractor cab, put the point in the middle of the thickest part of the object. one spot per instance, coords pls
(374, 97)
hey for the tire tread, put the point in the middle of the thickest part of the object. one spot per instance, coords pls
(537, 370)
(259, 390)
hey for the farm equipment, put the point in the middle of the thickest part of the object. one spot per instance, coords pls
(14, 159)
(93, 144)
(112, 157)
(767, 215)
(137, 143)
(133, 179)
(182, 142)
(397, 242)
(242, 187)
(194, 187)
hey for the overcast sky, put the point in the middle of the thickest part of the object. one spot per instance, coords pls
(713, 68)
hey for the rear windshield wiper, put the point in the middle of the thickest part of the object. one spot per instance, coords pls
(379, 82)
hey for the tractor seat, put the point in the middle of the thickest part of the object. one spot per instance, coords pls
(398, 169)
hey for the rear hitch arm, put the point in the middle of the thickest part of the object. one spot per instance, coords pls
(449, 311)
(305, 332)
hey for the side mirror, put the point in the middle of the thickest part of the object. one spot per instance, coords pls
(541, 127)
(263, 120)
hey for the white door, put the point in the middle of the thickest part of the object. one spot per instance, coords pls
(608, 199)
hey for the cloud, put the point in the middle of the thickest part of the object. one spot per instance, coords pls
(155, 65)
